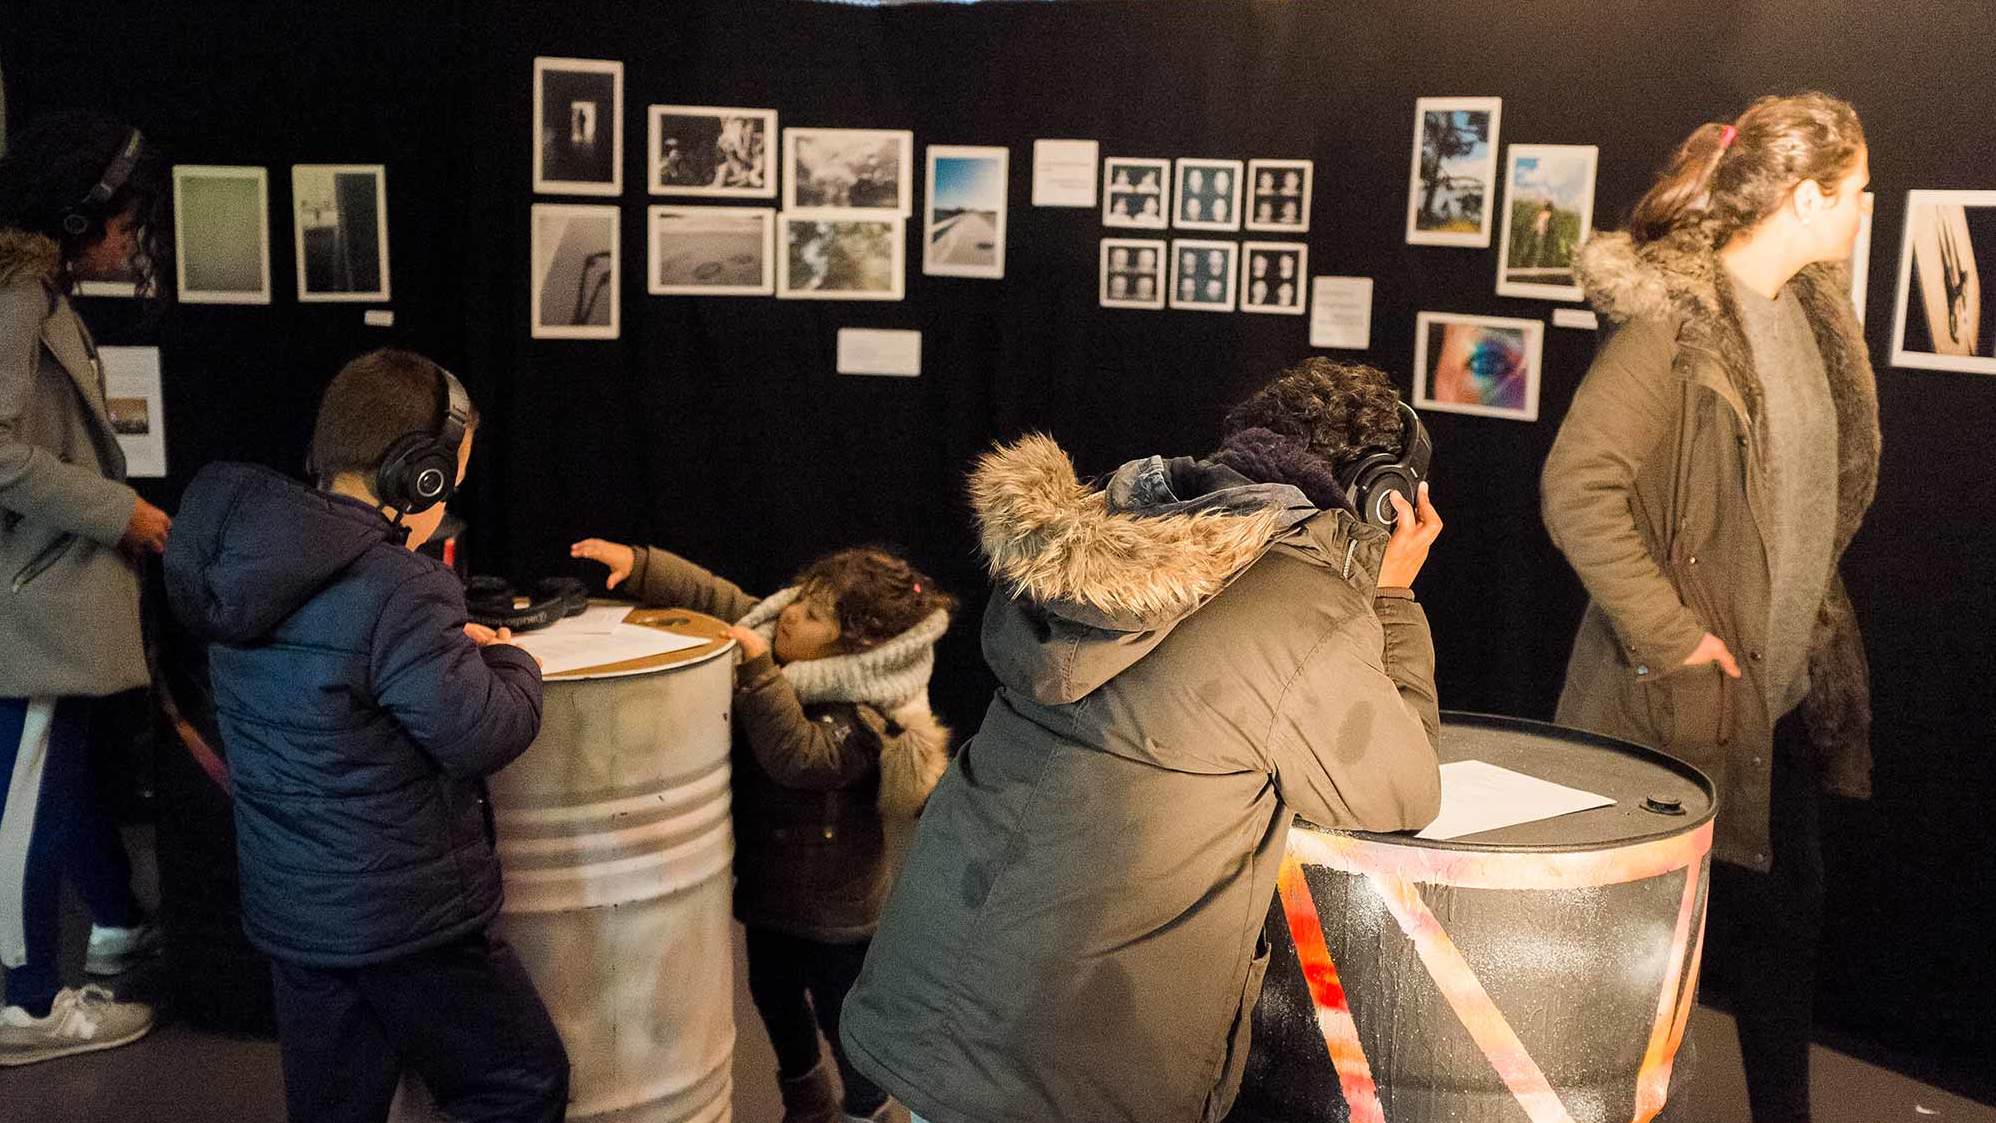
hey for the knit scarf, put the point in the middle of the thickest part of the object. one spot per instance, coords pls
(887, 677)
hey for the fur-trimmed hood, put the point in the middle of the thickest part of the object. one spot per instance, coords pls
(26, 256)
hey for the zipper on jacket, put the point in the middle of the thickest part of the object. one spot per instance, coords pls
(41, 562)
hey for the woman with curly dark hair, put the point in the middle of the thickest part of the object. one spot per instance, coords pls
(79, 195)
(1188, 657)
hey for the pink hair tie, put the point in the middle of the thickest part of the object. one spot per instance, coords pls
(1726, 138)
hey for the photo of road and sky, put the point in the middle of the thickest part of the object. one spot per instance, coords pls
(963, 223)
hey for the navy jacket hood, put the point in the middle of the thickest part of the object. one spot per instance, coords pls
(234, 569)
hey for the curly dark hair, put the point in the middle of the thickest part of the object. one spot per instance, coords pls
(877, 594)
(51, 164)
(1337, 411)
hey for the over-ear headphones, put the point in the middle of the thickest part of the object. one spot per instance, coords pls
(419, 470)
(77, 219)
(491, 601)
(1370, 480)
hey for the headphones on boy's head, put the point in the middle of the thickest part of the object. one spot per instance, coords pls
(419, 470)
(491, 601)
(1370, 481)
(76, 219)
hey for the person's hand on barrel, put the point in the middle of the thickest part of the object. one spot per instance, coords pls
(752, 644)
(1413, 534)
(485, 637)
(619, 558)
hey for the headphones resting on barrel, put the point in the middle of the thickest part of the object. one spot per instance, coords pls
(493, 602)
(1370, 481)
(419, 470)
(78, 218)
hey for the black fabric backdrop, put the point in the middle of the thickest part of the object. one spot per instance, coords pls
(717, 426)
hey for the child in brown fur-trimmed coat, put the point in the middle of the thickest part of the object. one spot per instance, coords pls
(834, 745)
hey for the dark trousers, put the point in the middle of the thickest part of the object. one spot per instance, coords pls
(55, 827)
(1762, 934)
(464, 1017)
(798, 986)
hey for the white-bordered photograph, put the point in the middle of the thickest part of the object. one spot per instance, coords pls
(578, 126)
(1275, 277)
(1207, 194)
(963, 230)
(1279, 195)
(837, 255)
(1453, 186)
(711, 150)
(1204, 274)
(849, 170)
(1482, 365)
(1136, 192)
(221, 234)
(339, 221)
(1133, 273)
(1548, 212)
(1943, 320)
(711, 251)
(576, 271)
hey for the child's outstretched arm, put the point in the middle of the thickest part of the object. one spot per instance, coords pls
(794, 750)
(662, 579)
(472, 708)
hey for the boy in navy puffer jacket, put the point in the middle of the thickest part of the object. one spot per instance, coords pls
(361, 714)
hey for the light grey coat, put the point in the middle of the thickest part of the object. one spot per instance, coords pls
(69, 598)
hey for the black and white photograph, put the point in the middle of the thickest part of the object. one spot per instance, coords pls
(1278, 195)
(964, 231)
(849, 170)
(831, 255)
(1203, 274)
(576, 290)
(1208, 195)
(339, 216)
(1133, 273)
(1452, 189)
(1944, 320)
(221, 231)
(711, 251)
(1274, 277)
(711, 150)
(578, 126)
(1136, 192)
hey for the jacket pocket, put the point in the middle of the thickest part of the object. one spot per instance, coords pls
(1692, 711)
(1234, 1066)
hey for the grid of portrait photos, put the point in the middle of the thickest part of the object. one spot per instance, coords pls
(1943, 319)
(963, 228)
(1136, 192)
(339, 219)
(1208, 194)
(1452, 186)
(574, 271)
(1275, 278)
(710, 150)
(1204, 274)
(1133, 273)
(578, 126)
(1482, 365)
(221, 231)
(711, 251)
(1279, 195)
(1548, 212)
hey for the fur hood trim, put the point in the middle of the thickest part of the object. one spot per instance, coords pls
(912, 761)
(28, 256)
(1052, 539)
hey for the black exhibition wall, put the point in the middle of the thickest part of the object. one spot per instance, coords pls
(718, 427)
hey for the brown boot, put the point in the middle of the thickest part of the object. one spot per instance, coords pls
(813, 1097)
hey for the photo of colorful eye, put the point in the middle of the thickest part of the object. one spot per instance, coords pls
(1479, 365)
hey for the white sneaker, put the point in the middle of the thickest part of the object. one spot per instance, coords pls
(81, 1021)
(113, 951)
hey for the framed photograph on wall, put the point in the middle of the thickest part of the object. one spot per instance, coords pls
(575, 271)
(578, 126)
(1279, 195)
(710, 251)
(1204, 274)
(1136, 192)
(849, 170)
(838, 255)
(221, 234)
(1208, 194)
(1548, 212)
(963, 231)
(1482, 365)
(1275, 277)
(709, 150)
(1943, 319)
(339, 222)
(1132, 273)
(1452, 187)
